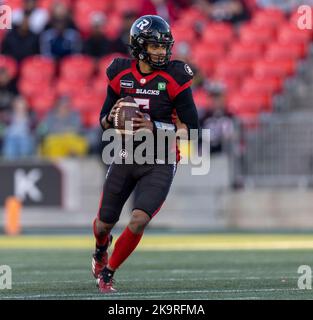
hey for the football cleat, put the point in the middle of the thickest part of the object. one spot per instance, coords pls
(105, 282)
(100, 259)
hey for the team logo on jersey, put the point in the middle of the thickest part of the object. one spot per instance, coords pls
(188, 70)
(161, 86)
(149, 92)
(126, 84)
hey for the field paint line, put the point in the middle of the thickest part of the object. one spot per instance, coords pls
(168, 242)
(125, 294)
(159, 280)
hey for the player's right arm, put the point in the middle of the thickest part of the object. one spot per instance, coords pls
(113, 98)
(109, 108)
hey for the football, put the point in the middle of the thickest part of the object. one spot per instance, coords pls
(125, 112)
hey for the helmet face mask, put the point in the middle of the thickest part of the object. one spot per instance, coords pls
(151, 30)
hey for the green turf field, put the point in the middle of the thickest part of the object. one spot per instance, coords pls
(163, 267)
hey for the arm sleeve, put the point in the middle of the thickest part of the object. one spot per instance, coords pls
(186, 110)
(108, 104)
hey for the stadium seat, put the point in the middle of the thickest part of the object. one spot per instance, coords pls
(38, 67)
(10, 64)
(206, 59)
(241, 102)
(99, 84)
(269, 17)
(286, 51)
(47, 4)
(246, 51)
(70, 87)
(87, 100)
(231, 67)
(122, 6)
(251, 33)
(215, 33)
(43, 101)
(274, 67)
(29, 87)
(14, 4)
(267, 84)
(183, 32)
(77, 66)
(202, 98)
(230, 82)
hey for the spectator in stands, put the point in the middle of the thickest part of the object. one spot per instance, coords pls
(7, 90)
(59, 11)
(61, 131)
(121, 43)
(20, 42)
(234, 11)
(167, 9)
(60, 41)
(37, 17)
(18, 139)
(97, 45)
(218, 120)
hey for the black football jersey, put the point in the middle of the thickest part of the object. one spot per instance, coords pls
(154, 92)
(163, 94)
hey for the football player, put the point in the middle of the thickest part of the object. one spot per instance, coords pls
(161, 88)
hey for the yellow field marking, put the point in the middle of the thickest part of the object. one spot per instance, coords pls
(168, 242)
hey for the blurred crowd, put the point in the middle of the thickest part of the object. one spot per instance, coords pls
(60, 28)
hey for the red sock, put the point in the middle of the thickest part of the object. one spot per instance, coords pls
(100, 240)
(124, 246)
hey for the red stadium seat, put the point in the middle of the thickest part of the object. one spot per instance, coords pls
(183, 32)
(77, 66)
(269, 17)
(99, 84)
(91, 119)
(267, 84)
(38, 67)
(202, 98)
(230, 82)
(222, 33)
(206, 58)
(10, 64)
(253, 33)
(286, 51)
(14, 4)
(29, 87)
(246, 51)
(47, 4)
(241, 102)
(279, 68)
(124, 6)
(43, 101)
(232, 67)
(70, 87)
(87, 101)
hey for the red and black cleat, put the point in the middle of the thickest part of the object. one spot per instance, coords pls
(100, 259)
(105, 282)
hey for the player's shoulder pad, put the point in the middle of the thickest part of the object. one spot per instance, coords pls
(117, 66)
(180, 71)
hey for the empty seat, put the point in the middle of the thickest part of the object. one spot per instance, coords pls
(77, 66)
(241, 102)
(269, 17)
(286, 51)
(222, 33)
(246, 51)
(253, 33)
(275, 67)
(38, 67)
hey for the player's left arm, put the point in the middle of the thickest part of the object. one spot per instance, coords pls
(187, 114)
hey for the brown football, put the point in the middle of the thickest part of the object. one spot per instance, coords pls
(125, 112)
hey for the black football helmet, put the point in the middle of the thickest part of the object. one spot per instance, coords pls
(151, 29)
